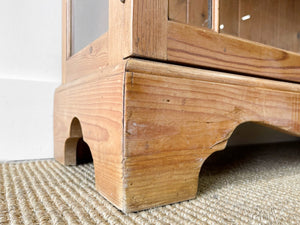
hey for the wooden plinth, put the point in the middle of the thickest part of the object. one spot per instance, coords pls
(150, 126)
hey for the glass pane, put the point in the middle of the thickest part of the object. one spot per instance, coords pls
(271, 22)
(89, 21)
(193, 12)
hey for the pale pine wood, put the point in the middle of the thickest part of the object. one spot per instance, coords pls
(172, 70)
(150, 35)
(281, 17)
(109, 49)
(97, 102)
(230, 53)
(215, 15)
(150, 126)
(90, 60)
(149, 29)
(120, 34)
(150, 135)
(137, 28)
(175, 117)
(240, 55)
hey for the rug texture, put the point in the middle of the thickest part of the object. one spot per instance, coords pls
(246, 185)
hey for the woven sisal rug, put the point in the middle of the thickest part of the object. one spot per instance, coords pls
(248, 185)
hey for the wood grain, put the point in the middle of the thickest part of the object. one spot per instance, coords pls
(107, 50)
(120, 30)
(149, 38)
(171, 70)
(150, 135)
(173, 122)
(141, 29)
(90, 60)
(149, 125)
(196, 46)
(97, 102)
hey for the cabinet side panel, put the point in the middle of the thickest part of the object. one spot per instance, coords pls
(97, 102)
(90, 60)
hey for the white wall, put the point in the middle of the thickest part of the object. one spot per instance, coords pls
(30, 69)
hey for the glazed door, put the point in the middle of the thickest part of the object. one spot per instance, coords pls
(249, 37)
(89, 20)
(255, 37)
